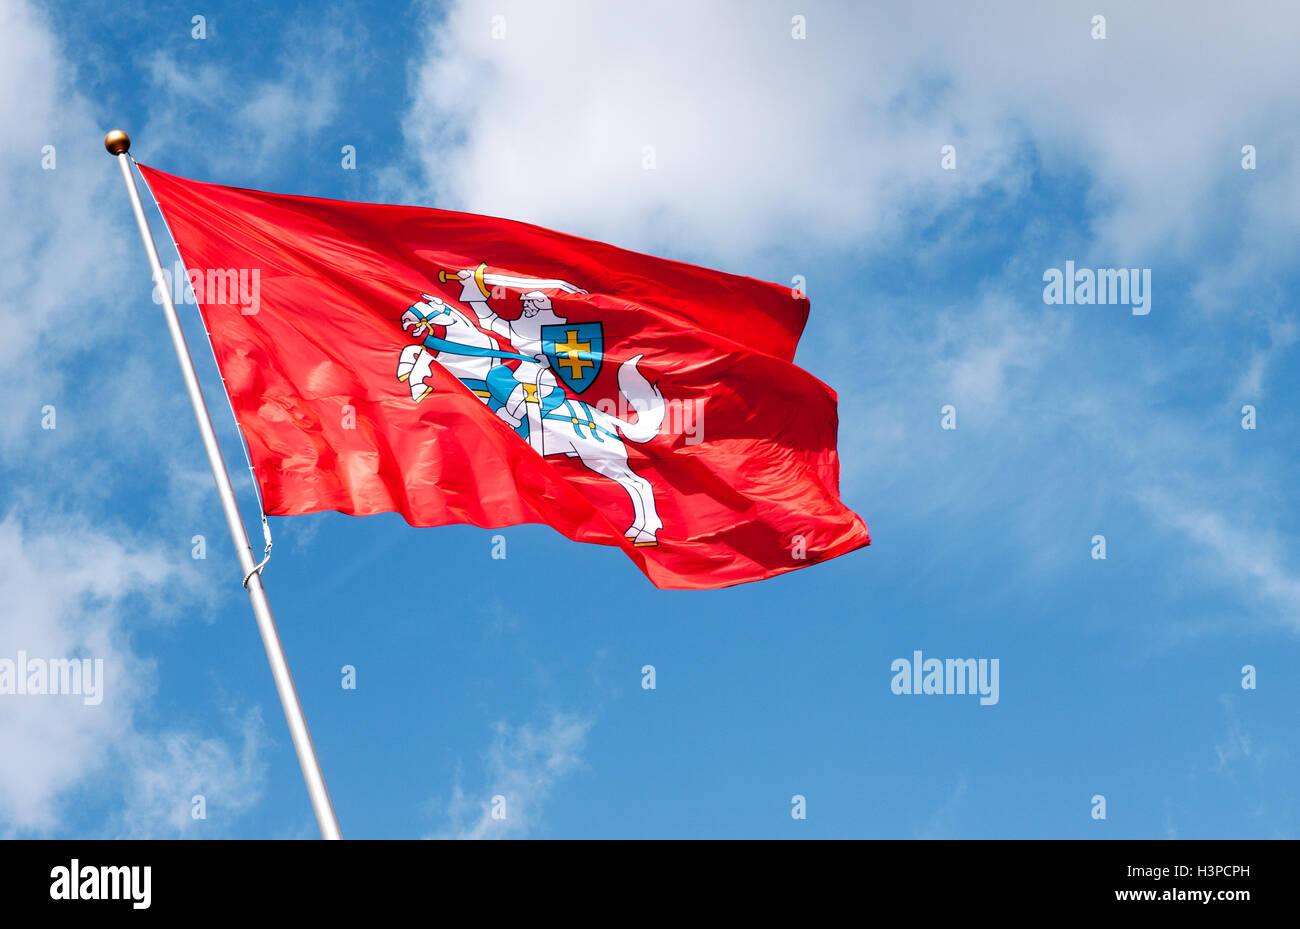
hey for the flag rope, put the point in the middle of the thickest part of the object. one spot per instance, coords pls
(243, 442)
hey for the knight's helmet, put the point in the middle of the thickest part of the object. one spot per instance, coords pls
(538, 299)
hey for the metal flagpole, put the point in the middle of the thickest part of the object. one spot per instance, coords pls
(118, 144)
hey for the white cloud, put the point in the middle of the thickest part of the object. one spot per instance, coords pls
(940, 823)
(523, 765)
(761, 140)
(1249, 557)
(76, 592)
(1237, 744)
(66, 592)
(168, 770)
(751, 131)
(1253, 383)
(261, 123)
(57, 247)
(979, 350)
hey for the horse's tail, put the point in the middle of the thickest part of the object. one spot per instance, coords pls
(645, 398)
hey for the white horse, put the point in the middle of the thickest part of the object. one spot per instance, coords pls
(560, 425)
(416, 361)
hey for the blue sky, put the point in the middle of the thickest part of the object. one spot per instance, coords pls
(773, 157)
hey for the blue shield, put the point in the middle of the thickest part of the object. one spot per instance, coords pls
(575, 351)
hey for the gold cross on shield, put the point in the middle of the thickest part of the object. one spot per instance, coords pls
(569, 349)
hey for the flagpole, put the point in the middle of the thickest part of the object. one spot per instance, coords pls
(118, 143)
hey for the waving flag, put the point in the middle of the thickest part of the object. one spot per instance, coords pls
(465, 369)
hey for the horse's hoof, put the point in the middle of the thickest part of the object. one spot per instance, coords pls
(642, 539)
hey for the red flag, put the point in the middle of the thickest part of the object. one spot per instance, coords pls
(464, 369)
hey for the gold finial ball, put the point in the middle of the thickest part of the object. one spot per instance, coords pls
(117, 142)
